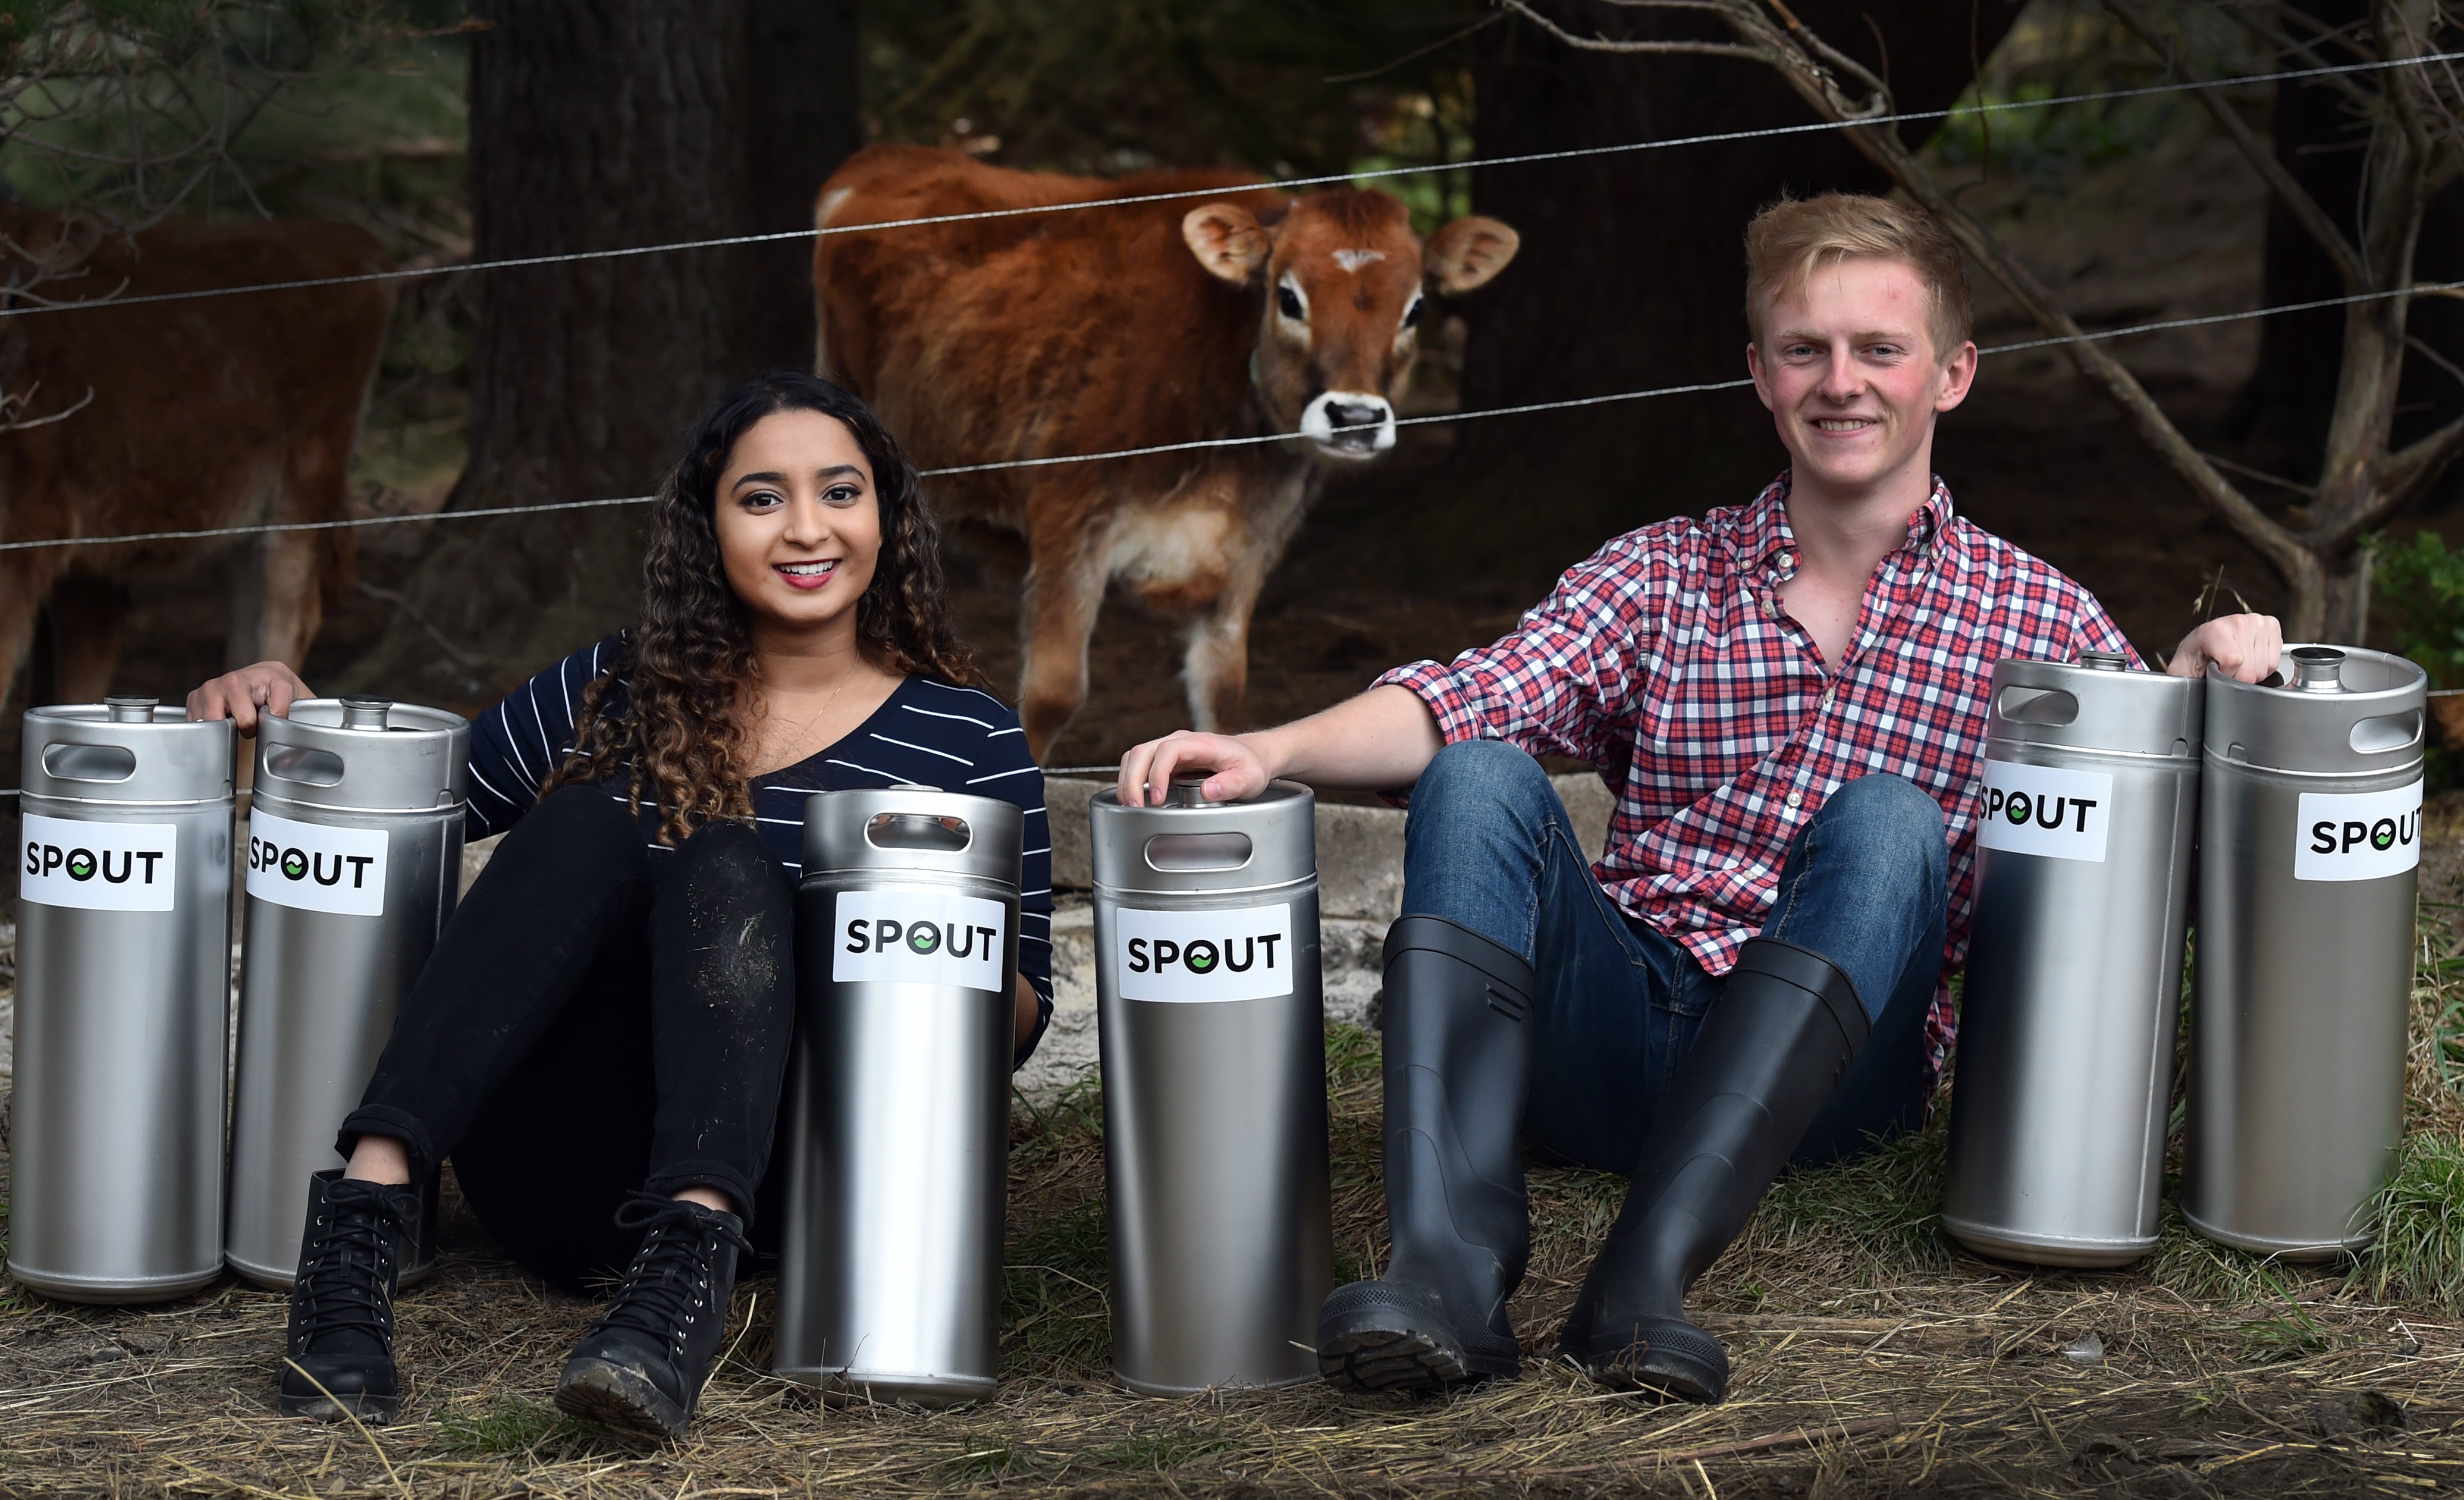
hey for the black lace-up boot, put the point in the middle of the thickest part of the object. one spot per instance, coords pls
(1456, 1053)
(642, 1365)
(340, 1353)
(1769, 1053)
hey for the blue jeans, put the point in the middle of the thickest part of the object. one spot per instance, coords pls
(1489, 846)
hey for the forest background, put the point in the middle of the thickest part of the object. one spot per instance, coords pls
(506, 127)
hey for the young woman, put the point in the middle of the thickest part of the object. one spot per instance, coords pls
(599, 1041)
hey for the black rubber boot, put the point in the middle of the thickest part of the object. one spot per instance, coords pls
(1771, 1051)
(1455, 1052)
(640, 1367)
(340, 1350)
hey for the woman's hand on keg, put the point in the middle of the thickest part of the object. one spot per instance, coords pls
(1147, 771)
(2244, 647)
(241, 696)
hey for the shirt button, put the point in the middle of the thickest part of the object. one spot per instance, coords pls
(1794, 797)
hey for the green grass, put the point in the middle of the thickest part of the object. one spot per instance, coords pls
(1885, 1204)
(989, 1458)
(2419, 1257)
(509, 1425)
(1158, 1451)
(1054, 1314)
(1351, 1056)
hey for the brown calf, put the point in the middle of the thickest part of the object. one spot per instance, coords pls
(223, 412)
(1117, 327)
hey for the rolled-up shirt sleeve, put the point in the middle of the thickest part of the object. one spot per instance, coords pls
(1563, 683)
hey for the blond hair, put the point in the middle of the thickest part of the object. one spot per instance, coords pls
(1792, 238)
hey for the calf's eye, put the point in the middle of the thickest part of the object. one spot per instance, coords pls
(1288, 303)
(1412, 314)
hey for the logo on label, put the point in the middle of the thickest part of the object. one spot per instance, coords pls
(920, 938)
(101, 866)
(2358, 835)
(314, 868)
(2039, 809)
(1238, 953)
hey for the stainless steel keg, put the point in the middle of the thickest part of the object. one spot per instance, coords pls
(898, 1095)
(2086, 817)
(123, 1003)
(353, 862)
(2310, 837)
(1214, 1061)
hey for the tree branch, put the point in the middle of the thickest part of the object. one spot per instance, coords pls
(2295, 198)
(1603, 44)
(2407, 473)
(1883, 146)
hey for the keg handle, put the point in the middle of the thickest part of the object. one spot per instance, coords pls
(301, 763)
(70, 761)
(2049, 706)
(2385, 733)
(1196, 854)
(918, 832)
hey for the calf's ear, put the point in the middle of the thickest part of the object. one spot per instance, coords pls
(1466, 252)
(1227, 240)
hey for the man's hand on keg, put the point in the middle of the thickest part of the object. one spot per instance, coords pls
(267, 688)
(1148, 769)
(2245, 647)
(1379, 741)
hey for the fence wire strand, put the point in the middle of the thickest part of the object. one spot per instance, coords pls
(1369, 174)
(1248, 440)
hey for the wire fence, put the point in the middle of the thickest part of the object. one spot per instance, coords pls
(39, 308)
(1245, 440)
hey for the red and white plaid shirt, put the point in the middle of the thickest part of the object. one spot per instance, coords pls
(1667, 660)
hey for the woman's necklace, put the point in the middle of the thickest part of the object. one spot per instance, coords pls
(796, 739)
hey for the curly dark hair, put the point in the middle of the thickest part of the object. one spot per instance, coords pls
(667, 719)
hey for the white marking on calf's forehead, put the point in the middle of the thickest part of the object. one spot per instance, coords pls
(830, 202)
(1354, 259)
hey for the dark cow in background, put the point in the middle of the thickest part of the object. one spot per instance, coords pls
(224, 411)
(1048, 335)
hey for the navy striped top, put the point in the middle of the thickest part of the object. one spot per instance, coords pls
(927, 734)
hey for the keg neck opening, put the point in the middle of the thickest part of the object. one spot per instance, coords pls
(2104, 661)
(2317, 669)
(365, 711)
(131, 710)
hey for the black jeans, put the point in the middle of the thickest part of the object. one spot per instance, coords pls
(597, 1018)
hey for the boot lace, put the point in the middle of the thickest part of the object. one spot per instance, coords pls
(343, 1280)
(666, 1291)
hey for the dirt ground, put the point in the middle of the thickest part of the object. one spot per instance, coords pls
(1872, 1358)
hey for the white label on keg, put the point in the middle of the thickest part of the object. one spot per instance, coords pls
(919, 937)
(2038, 810)
(1238, 953)
(102, 867)
(314, 868)
(2358, 835)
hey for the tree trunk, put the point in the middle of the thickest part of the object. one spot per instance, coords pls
(595, 124)
(805, 125)
(2284, 410)
(1632, 271)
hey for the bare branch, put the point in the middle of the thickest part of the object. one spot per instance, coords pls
(2412, 470)
(1603, 44)
(12, 405)
(2261, 155)
(2418, 346)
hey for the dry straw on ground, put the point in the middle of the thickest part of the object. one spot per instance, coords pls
(1872, 1359)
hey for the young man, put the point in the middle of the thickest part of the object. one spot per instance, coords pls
(1789, 700)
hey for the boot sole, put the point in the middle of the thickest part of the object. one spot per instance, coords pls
(1377, 1350)
(316, 1406)
(614, 1397)
(1681, 1363)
